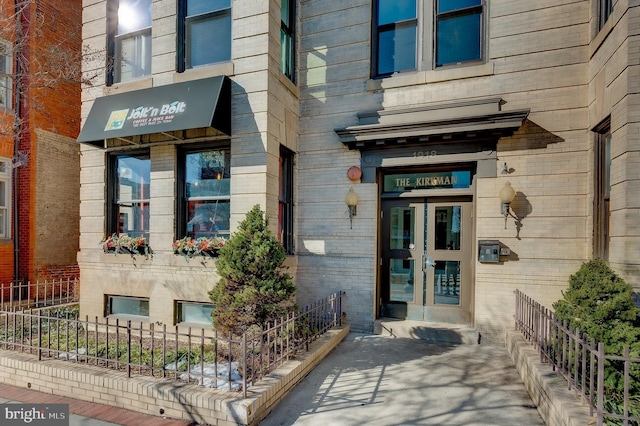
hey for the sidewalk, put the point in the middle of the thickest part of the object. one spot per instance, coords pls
(84, 413)
(377, 380)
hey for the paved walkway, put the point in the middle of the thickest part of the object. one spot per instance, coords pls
(84, 413)
(376, 380)
(372, 380)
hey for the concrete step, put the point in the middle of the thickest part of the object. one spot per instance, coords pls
(429, 331)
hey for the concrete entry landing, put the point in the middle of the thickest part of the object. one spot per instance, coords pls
(429, 331)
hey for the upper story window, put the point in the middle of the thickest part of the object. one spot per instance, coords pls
(605, 8)
(453, 34)
(204, 186)
(5, 197)
(204, 32)
(288, 38)
(6, 82)
(129, 39)
(128, 194)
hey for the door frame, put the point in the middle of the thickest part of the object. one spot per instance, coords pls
(429, 312)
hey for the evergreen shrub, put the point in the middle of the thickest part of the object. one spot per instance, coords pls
(254, 287)
(600, 303)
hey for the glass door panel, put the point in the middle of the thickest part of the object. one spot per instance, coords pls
(401, 280)
(447, 228)
(402, 228)
(446, 288)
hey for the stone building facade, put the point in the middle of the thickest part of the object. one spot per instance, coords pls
(426, 111)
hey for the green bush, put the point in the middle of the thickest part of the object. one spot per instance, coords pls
(600, 303)
(253, 288)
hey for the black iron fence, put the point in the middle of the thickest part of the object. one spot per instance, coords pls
(604, 382)
(197, 355)
(21, 295)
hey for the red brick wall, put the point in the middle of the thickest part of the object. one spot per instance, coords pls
(53, 29)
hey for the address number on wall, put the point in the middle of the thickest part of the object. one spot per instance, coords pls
(425, 154)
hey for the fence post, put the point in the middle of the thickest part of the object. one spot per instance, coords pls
(600, 390)
(128, 348)
(246, 367)
(627, 361)
(39, 335)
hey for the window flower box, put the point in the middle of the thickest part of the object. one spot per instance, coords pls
(124, 244)
(191, 247)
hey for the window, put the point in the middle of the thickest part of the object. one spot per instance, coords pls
(605, 9)
(128, 192)
(396, 31)
(453, 34)
(194, 312)
(285, 200)
(288, 38)
(129, 44)
(204, 185)
(204, 32)
(5, 197)
(458, 31)
(123, 305)
(602, 210)
(6, 68)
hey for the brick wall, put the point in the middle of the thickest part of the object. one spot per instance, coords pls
(57, 205)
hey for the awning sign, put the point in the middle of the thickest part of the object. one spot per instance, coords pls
(180, 106)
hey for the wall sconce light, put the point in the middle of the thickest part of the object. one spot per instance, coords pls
(507, 194)
(351, 199)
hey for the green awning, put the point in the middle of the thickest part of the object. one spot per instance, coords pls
(188, 105)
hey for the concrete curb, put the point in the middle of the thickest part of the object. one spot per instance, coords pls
(556, 404)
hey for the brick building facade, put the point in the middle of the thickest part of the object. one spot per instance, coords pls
(38, 154)
(425, 113)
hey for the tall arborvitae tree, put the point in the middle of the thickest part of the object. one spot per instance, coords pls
(253, 288)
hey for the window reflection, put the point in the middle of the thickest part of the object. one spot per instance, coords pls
(132, 194)
(402, 228)
(447, 233)
(447, 283)
(401, 277)
(208, 180)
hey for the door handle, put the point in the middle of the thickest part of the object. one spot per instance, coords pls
(427, 262)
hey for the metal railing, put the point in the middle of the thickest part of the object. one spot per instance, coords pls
(20, 295)
(581, 362)
(197, 355)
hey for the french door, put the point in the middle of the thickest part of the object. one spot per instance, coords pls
(426, 258)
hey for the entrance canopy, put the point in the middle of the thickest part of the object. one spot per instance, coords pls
(180, 106)
(473, 120)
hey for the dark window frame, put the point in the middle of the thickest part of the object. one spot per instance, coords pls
(288, 32)
(182, 208)
(605, 9)
(112, 202)
(453, 14)
(108, 305)
(183, 57)
(114, 40)
(179, 312)
(426, 24)
(392, 26)
(286, 199)
(602, 192)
